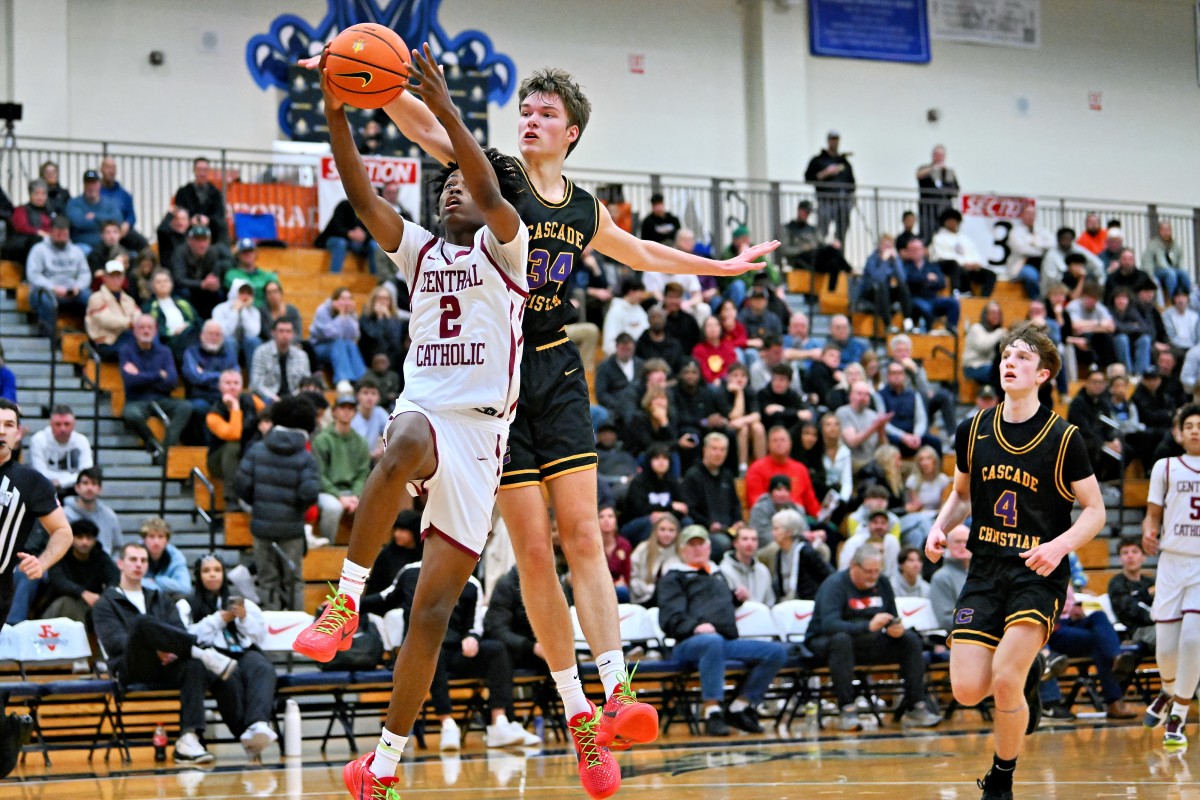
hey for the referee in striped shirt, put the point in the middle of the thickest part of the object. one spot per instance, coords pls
(25, 496)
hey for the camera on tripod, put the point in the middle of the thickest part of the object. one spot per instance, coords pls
(10, 113)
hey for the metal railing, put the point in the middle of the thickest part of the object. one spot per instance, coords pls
(89, 352)
(209, 515)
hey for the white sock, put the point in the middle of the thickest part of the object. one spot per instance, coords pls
(1168, 688)
(612, 670)
(737, 705)
(387, 753)
(570, 689)
(1180, 711)
(1187, 675)
(712, 711)
(354, 579)
(501, 720)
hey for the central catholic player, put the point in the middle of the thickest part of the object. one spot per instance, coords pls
(551, 439)
(1019, 470)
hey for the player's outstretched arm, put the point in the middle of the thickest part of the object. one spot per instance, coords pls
(954, 512)
(617, 243)
(385, 225)
(426, 81)
(1044, 558)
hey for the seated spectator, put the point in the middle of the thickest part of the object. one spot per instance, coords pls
(30, 224)
(334, 333)
(660, 225)
(908, 582)
(1155, 407)
(1061, 260)
(382, 328)
(885, 471)
(593, 284)
(387, 379)
(778, 461)
(862, 426)
(824, 376)
(709, 489)
(86, 504)
(507, 621)
(1079, 634)
(1164, 259)
(77, 581)
(1094, 234)
(58, 277)
(1091, 327)
(850, 347)
(1182, 322)
(177, 320)
(690, 293)
(203, 365)
(652, 423)
(875, 533)
(617, 552)
(759, 321)
(804, 247)
(651, 558)
(1133, 339)
(112, 190)
(855, 622)
(780, 405)
(108, 249)
(344, 233)
(958, 257)
(343, 460)
(744, 420)
(1131, 593)
(979, 358)
(925, 283)
(172, 235)
(681, 320)
(205, 203)
(652, 492)
(615, 382)
(57, 194)
(245, 268)
(1126, 275)
(746, 575)
(370, 421)
(883, 285)
(733, 332)
(403, 548)
(231, 421)
(139, 275)
(199, 269)
(938, 399)
(148, 372)
(277, 367)
(625, 313)
(146, 642)
(655, 342)
(715, 354)
(1027, 246)
(167, 568)
(1086, 412)
(240, 320)
(798, 558)
(233, 625)
(909, 427)
(926, 486)
(696, 609)
(60, 452)
(799, 346)
(111, 312)
(946, 584)
(275, 307)
(777, 498)
(279, 479)
(819, 447)
(89, 211)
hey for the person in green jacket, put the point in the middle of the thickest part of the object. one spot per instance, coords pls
(247, 269)
(344, 460)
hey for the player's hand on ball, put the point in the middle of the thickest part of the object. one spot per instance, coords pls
(332, 103)
(935, 545)
(1043, 559)
(426, 81)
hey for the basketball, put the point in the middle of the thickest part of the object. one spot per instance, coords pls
(367, 65)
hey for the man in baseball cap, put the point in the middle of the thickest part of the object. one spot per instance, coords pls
(246, 268)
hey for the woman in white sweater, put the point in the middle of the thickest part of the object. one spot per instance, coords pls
(653, 557)
(983, 337)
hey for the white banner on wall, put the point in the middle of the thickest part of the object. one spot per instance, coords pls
(1002, 23)
(381, 170)
(987, 220)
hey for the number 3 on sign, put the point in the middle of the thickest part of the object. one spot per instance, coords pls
(1006, 508)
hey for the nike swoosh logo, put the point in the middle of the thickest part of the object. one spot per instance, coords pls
(914, 611)
(481, 458)
(568, 372)
(366, 77)
(798, 615)
(977, 438)
(276, 631)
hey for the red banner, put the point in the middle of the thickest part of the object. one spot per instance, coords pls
(293, 207)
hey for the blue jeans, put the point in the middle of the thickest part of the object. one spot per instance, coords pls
(1031, 279)
(24, 591)
(1170, 278)
(344, 357)
(1140, 361)
(930, 308)
(708, 652)
(1092, 636)
(48, 306)
(338, 246)
(736, 291)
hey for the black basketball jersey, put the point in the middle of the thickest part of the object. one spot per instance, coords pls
(558, 232)
(1021, 475)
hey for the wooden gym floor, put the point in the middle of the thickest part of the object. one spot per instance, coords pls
(1085, 759)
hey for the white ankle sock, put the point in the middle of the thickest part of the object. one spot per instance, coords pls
(570, 689)
(501, 720)
(387, 754)
(612, 670)
(354, 578)
(737, 705)
(1180, 711)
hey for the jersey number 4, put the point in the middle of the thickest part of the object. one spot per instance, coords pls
(541, 269)
(1006, 508)
(451, 310)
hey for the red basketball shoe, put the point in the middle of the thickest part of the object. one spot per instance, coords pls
(363, 784)
(626, 721)
(598, 770)
(331, 632)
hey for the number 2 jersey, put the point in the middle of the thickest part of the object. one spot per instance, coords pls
(467, 304)
(1021, 475)
(1175, 485)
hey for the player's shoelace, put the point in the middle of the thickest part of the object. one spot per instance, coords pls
(336, 614)
(586, 740)
(625, 695)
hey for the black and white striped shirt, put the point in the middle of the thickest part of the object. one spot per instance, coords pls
(25, 496)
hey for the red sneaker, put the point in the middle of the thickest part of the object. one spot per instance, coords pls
(331, 632)
(363, 784)
(598, 770)
(626, 721)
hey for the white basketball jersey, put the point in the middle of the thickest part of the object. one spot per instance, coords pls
(1175, 485)
(467, 304)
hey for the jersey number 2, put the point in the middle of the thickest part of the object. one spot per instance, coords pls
(451, 311)
(1006, 508)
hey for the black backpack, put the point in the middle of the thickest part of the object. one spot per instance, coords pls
(365, 653)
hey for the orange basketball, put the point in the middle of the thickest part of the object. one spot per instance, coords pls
(367, 65)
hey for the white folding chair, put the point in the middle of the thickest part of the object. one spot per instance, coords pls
(754, 621)
(792, 618)
(917, 613)
(393, 628)
(282, 629)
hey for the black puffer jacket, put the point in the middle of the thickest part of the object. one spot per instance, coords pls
(278, 477)
(687, 597)
(506, 619)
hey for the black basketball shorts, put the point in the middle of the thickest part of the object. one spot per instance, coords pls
(1003, 592)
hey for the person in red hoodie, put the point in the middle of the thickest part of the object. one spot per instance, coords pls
(715, 354)
(778, 461)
